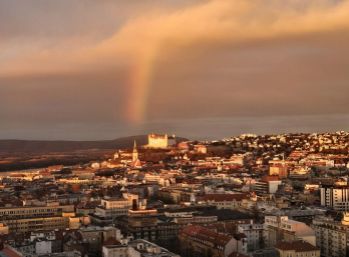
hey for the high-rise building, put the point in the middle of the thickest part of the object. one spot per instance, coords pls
(332, 237)
(335, 197)
(267, 185)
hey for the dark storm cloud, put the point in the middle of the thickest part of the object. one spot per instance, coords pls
(306, 75)
(66, 66)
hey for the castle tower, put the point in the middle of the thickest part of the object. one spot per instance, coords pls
(157, 141)
(135, 152)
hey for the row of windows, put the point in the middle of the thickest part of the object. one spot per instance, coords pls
(30, 211)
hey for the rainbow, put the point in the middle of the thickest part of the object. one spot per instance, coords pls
(139, 86)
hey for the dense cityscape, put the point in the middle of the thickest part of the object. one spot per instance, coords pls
(174, 128)
(274, 195)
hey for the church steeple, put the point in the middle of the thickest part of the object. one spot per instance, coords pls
(135, 152)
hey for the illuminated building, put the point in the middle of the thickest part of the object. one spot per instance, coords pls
(32, 218)
(157, 141)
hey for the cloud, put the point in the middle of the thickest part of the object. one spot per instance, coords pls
(207, 22)
(210, 43)
(219, 23)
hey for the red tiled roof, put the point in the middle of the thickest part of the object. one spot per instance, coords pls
(205, 234)
(298, 246)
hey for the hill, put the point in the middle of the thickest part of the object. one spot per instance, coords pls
(42, 146)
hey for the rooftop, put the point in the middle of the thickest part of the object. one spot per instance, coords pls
(298, 246)
(205, 234)
(224, 197)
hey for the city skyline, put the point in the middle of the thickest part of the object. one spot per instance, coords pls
(174, 128)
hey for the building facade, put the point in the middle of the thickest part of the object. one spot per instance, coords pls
(332, 237)
(254, 235)
(34, 218)
(281, 228)
(157, 141)
(335, 197)
(198, 241)
(297, 249)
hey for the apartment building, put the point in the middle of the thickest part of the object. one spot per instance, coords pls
(254, 235)
(332, 237)
(112, 207)
(198, 241)
(335, 197)
(225, 201)
(281, 228)
(33, 218)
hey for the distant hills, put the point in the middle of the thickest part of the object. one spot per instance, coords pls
(42, 146)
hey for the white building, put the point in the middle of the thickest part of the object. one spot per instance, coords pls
(335, 197)
(113, 207)
(136, 248)
(254, 235)
(157, 141)
(281, 228)
(116, 251)
(267, 185)
(43, 247)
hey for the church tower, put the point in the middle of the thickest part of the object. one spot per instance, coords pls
(135, 152)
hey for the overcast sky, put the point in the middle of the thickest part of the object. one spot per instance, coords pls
(89, 69)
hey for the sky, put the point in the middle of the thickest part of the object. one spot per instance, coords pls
(90, 70)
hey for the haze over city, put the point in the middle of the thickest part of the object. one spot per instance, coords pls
(89, 70)
(174, 128)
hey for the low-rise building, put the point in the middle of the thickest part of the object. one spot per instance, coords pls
(112, 207)
(225, 201)
(203, 242)
(297, 249)
(34, 218)
(136, 248)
